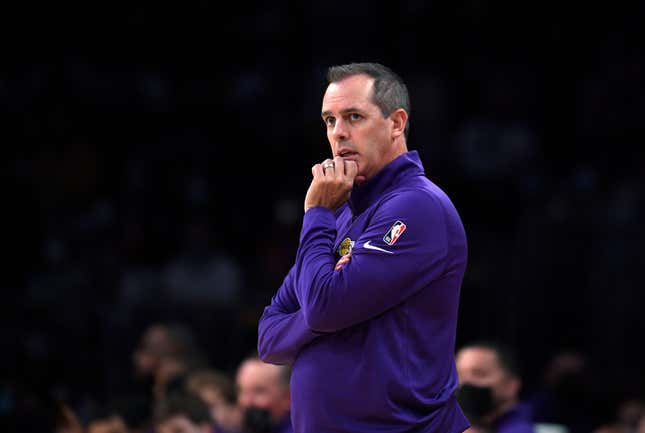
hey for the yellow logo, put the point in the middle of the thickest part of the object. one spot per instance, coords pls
(345, 246)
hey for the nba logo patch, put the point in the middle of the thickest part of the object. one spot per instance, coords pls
(394, 233)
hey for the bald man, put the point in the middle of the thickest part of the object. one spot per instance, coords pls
(263, 395)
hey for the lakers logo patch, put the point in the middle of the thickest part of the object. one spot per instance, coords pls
(345, 246)
(394, 233)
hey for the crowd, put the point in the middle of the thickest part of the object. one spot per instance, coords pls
(174, 388)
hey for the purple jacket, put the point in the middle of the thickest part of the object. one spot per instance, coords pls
(372, 345)
(516, 420)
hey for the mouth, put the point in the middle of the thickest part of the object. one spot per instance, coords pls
(346, 153)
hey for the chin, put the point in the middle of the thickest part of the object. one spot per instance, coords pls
(359, 180)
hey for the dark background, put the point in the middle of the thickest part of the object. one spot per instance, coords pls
(138, 137)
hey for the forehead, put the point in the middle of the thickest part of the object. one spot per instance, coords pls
(253, 373)
(477, 357)
(354, 91)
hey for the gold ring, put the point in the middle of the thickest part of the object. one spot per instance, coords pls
(329, 164)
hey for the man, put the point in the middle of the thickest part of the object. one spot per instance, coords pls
(165, 355)
(368, 314)
(161, 340)
(182, 413)
(489, 370)
(263, 395)
(217, 390)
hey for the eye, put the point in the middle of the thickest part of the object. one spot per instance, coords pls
(355, 116)
(329, 121)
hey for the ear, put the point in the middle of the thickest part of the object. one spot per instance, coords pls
(399, 118)
(513, 387)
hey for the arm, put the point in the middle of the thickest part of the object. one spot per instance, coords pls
(374, 280)
(282, 331)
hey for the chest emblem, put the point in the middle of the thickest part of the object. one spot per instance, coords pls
(394, 233)
(345, 247)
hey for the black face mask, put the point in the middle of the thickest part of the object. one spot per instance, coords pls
(257, 420)
(475, 401)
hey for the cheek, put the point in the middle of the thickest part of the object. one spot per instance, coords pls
(330, 138)
(244, 399)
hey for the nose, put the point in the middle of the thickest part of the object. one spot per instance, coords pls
(245, 400)
(340, 131)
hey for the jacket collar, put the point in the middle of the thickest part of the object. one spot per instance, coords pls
(403, 166)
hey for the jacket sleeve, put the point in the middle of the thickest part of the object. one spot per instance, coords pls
(282, 330)
(379, 275)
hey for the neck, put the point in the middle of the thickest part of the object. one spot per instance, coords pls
(399, 147)
(501, 410)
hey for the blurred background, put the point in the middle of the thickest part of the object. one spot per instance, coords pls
(156, 157)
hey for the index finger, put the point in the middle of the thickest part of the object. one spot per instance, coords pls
(339, 165)
(351, 169)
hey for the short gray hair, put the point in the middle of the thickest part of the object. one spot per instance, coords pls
(389, 92)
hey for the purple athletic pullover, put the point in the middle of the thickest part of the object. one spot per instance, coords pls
(372, 344)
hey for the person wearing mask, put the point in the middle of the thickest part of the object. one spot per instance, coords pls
(264, 396)
(489, 389)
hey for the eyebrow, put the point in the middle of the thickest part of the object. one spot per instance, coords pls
(345, 111)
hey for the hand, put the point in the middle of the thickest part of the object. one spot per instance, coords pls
(343, 261)
(331, 186)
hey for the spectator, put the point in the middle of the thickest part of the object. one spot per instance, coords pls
(630, 419)
(135, 411)
(166, 353)
(218, 391)
(160, 340)
(489, 389)
(182, 413)
(36, 412)
(566, 396)
(264, 396)
(172, 372)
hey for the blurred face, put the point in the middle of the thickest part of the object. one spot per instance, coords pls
(214, 400)
(259, 386)
(212, 397)
(153, 343)
(356, 128)
(480, 367)
(181, 424)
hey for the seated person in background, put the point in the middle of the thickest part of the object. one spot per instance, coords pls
(264, 396)
(217, 390)
(182, 413)
(630, 418)
(173, 371)
(566, 395)
(159, 341)
(489, 389)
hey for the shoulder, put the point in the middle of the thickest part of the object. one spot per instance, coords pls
(421, 198)
(518, 420)
(517, 427)
(416, 210)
